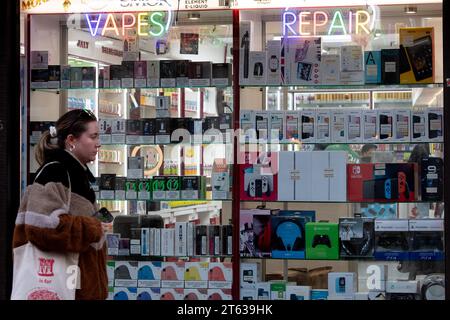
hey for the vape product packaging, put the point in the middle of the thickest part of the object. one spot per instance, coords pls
(201, 247)
(427, 239)
(390, 66)
(118, 130)
(219, 294)
(357, 238)
(87, 77)
(342, 283)
(372, 61)
(329, 179)
(247, 126)
(135, 242)
(195, 294)
(135, 168)
(227, 239)
(250, 274)
(330, 69)
(140, 74)
(110, 267)
(303, 61)
(288, 237)
(277, 291)
(292, 126)
(168, 73)
(298, 293)
(193, 187)
(65, 76)
(419, 126)
(54, 77)
(370, 126)
(221, 74)
(276, 126)
(190, 239)
(244, 52)
(145, 241)
(167, 242)
(134, 131)
(124, 247)
(180, 239)
(112, 241)
(159, 188)
(76, 75)
(262, 126)
(322, 240)
(220, 275)
(123, 293)
(39, 60)
(173, 187)
(182, 73)
(157, 242)
(172, 294)
(386, 120)
(435, 124)
(417, 55)
(258, 68)
(127, 80)
(319, 294)
(263, 290)
(125, 274)
(354, 127)
(131, 189)
(214, 240)
(382, 182)
(106, 76)
(199, 74)
(196, 275)
(148, 294)
(149, 274)
(352, 70)
(148, 131)
(402, 286)
(402, 125)
(273, 62)
(248, 294)
(162, 106)
(211, 131)
(144, 189)
(391, 240)
(338, 126)
(39, 69)
(116, 72)
(431, 175)
(107, 186)
(153, 74)
(162, 131)
(323, 126)
(172, 274)
(308, 126)
(105, 130)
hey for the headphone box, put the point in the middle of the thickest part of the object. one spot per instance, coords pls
(172, 274)
(342, 283)
(219, 294)
(257, 64)
(125, 274)
(199, 74)
(288, 237)
(357, 237)
(167, 73)
(262, 235)
(431, 174)
(338, 126)
(125, 293)
(149, 274)
(392, 240)
(196, 275)
(435, 124)
(427, 239)
(273, 48)
(322, 240)
(221, 74)
(250, 274)
(172, 294)
(298, 293)
(195, 294)
(220, 275)
(248, 294)
(153, 73)
(148, 294)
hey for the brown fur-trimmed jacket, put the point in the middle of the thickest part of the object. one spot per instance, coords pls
(45, 220)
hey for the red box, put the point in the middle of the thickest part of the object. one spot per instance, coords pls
(259, 178)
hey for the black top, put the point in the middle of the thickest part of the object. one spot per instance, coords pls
(80, 177)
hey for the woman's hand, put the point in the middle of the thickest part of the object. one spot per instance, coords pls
(107, 227)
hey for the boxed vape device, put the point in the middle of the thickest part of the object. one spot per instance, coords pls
(201, 247)
(244, 52)
(354, 127)
(219, 294)
(373, 67)
(392, 240)
(214, 240)
(262, 126)
(87, 77)
(273, 62)
(65, 77)
(148, 131)
(167, 242)
(247, 126)
(172, 274)
(134, 131)
(146, 242)
(182, 73)
(153, 74)
(200, 74)
(195, 294)
(196, 275)
(149, 274)
(144, 189)
(370, 126)
(135, 168)
(39, 69)
(125, 274)
(322, 240)
(140, 74)
(159, 188)
(168, 73)
(221, 74)
(112, 241)
(131, 189)
(227, 240)
(128, 74)
(54, 76)
(105, 130)
(76, 75)
(116, 73)
(180, 239)
(162, 130)
(173, 186)
(193, 187)
(220, 275)
(107, 186)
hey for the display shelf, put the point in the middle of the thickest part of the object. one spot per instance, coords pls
(111, 162)
(57, 90)
(166, 200)
(337, 260)
(149, 258)
(347, 87)
(339, 202)
(339, 143)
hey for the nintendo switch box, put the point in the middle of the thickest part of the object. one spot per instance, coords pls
(259, 179)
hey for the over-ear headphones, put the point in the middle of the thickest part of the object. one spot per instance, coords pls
(362, 246)
(289, 235)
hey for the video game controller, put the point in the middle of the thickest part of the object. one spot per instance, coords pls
(321, 239)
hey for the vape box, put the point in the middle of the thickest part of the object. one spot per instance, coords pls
(402, 286)
(262, 126)
(116, 73)
(390, 69)
(227, 239)
(199, 74)
(308, 126)
(330, 69)
(417, 63)
(124, 293)
(153, 74)
(292, 126)
(159, 188)
(323, 126)
(427, 239)
(356, 237)
(211, 131)
(329, 179)
(338, 126)
(214, 240)
(167, 242)
(250, 274)
(172, 294)
(431, 176)
(148, 131)
(180, 239)
(168, 73)
(296, 176)
(135, 241)
(107, 186)
(134, 131)
(118, 129)
(149, 274)
(372, 61)
(39, 60)
(172, 274)
(342, 283)
(128, 74)
(182, 73)
(196, 275)
(135, 168)
(354, 127)
(148, 294)
(140, 74)
(65, 77)
(263, 290)
(193, 187)
(144, 189)
(247, 126)
(273, 62)
(288, 237)
(257, 60)
(39, 78)
(105, 130)
(201, 247)
(76, 75)
(391, 240)
(322, 240)
(173, 186)
(248, 294)
(370, 126)
(124, 247)
(106, 77)
(190, 239)
(221, 74)
(419, 126)
(319, 294)
(54, 77)
(110, 267)
(131, 189)
(244, 52)
(112, 241)
(435, 124)
(88, 77)
(386, 120)
(276, 126)
(146, 242)
(157, 242)
(162, 131)
(351, 65)
(402, 125)
(220, 275)
(219, 294)
(298, 293)
(195, 294)
(125, 274)
(162, 106)
(277, 291)
(303, 61)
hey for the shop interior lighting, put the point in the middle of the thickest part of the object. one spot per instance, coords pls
(193, 16)
(410, 9)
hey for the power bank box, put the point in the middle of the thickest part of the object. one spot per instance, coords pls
(180, 239)
(402, 125)
(168, 73)
(195, 294)
(167, 242)
(435, 124)
(221, 74)
(323, 126)
(427, 239)
(199, 74)
(298, 293)
(390, 66)
(330, 69)
(125, 274)
(308, 126)
(128, 74)
(386, 120)
(172, 274)
(153, 77)
(219, 294)
(370, 126)
(273, 62)
(258, 71)
(149, 274)
(250, 274)
(292, 126)
(148, 294)
(392, 240)
(172, 294)
(140, 74)
(338, 126)
(276, 126)
(220, 275)
(419, 125)
(196, 275)
(354, 126)
(124, 293)
(372, 60)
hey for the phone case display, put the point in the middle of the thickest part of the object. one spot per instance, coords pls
(419, 126)
(292, 126)
(322, 240)
(308, 126)
(262, 126)
(354, 126)
(357, 237)
(370, 126)
(303, 61)
(391, 239)
(416, 55)
(338, 126)
(323, 122)
(273, 62)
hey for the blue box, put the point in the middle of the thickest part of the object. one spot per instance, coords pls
(319, 294)
(288, 236)
(310, 216)
(372, 61)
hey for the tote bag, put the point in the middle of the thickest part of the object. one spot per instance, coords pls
(40, 275)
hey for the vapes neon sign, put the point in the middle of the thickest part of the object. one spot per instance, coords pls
(147, 23)
(297, 23)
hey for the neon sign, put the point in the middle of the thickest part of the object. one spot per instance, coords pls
(147, 23)
(303, 23)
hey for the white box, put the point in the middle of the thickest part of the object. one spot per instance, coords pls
(323, 126)
(292, 129)
(361, 296)
(180, 239)
(110, 267)
(190, 239)
(220, 275)
(153, 74)
(295, 178)
(342, 297)
(125, 274)
(148, 294)
(391, 225)
(276, 131)
(172, 294)
(342, 283)
(125, 293)
(303, 60)
(338, 126)
(298, 293)
(219, 294)
(329, 176)
(330, 69)
(172, 274)
(244, 52)
(435, 124)
(247, 125)
(250, 274)
(351, 58)
(308, 126)
(370, 126)
(273, 62)
(257, 68)
(402, 126)
(262, 126)
(167, 242)
(195, 294)
(152, 242)
(248, 294)
(196, 275)
(263, 290)
(419, 126)
(386, 123)
(402, 286)
(426, 225)
(145, 242)
(149, 274)
(354, 126)
(157, 242)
